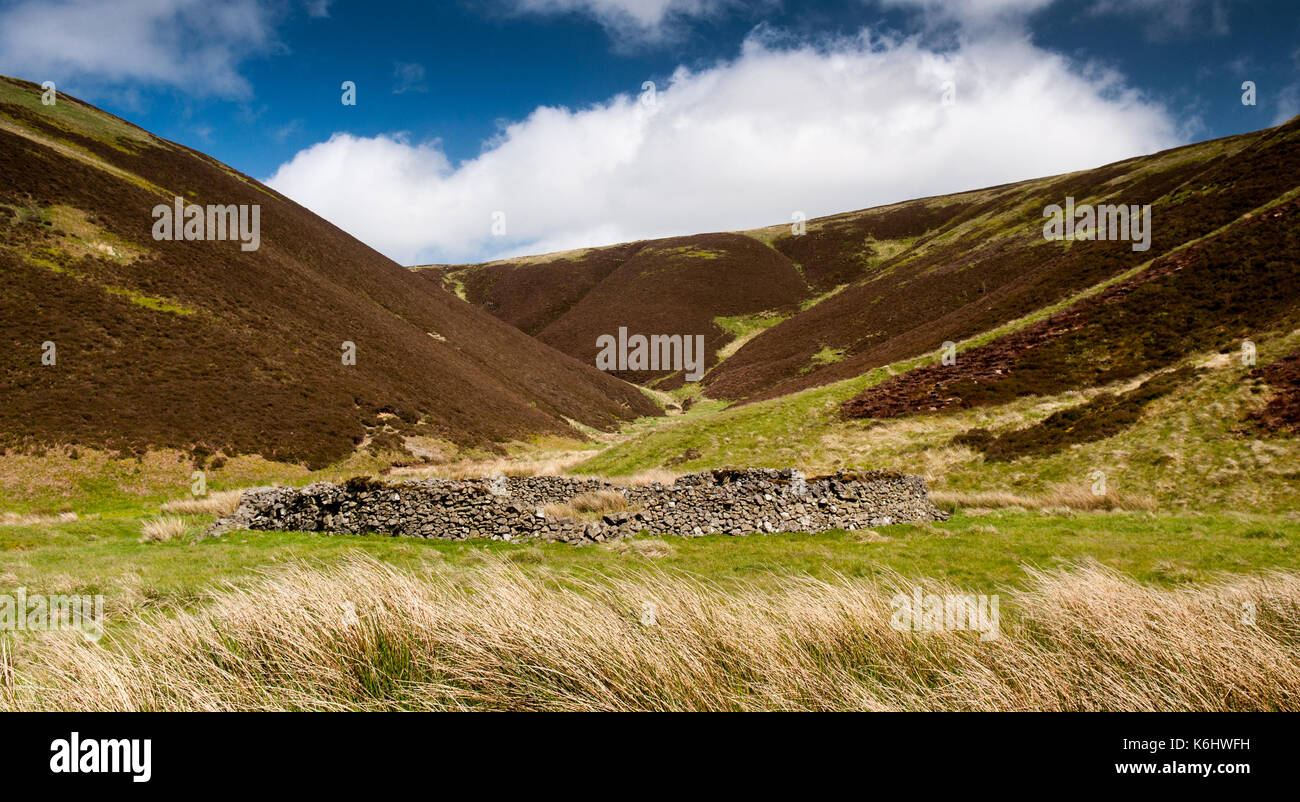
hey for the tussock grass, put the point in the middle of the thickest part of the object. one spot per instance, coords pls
(870, 536)
(223, 502)
(162, 529)
(643, 547)
(588, 505)
(364, 635)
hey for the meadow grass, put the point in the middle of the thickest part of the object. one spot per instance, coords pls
(106, 555)
(363, 635)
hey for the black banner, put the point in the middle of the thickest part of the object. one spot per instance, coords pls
(143, 752)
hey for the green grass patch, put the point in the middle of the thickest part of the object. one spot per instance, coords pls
(828, 356)
(985, 551)
(74, 117)
(744, 328)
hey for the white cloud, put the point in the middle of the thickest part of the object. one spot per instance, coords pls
(743, 144)
(194, 45)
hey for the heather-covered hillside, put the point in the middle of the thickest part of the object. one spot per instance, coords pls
(203, 345)
(891, 283)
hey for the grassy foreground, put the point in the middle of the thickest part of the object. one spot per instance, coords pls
(363, 635)
(981, 551)
(1099, 610)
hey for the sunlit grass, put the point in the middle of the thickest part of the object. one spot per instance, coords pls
(362, 635)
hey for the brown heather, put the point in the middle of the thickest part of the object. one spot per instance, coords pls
(677, 285)
(203, 347)
(1282, 412)
(364, 635)
(1208, 295)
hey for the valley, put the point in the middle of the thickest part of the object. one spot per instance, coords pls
(1112, 425)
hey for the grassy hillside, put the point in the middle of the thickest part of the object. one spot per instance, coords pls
(1195, 446)
(989, 264)
(206, 348)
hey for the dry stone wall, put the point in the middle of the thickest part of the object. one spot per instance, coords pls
(734, 502)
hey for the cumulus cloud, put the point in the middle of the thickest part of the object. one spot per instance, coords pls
(745, 143)
(194, 45)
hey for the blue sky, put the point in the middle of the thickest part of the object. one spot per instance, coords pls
(534, 109)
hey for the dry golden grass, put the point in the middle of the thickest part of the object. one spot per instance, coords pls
(871, 536)
(162, 529)
(643, 547)
(550, 465)
(588, 505)
(1069, 497)
(223, 502)
(34, 519)
(364, 635)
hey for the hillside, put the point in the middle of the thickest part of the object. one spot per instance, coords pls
(204, 346)
(1231, 287)
(891, 283)
(679, 285)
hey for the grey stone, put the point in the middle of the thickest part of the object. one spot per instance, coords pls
(733, 502)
